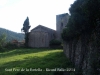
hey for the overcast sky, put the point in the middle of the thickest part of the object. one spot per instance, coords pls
(43, 12)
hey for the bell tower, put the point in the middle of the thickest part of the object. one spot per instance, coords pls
(61, 22)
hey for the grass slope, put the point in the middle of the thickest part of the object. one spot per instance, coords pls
(12, 62)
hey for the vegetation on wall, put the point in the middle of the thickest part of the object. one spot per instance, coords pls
(84, 18)
(84, 21)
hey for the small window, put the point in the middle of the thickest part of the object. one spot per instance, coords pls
(61, 25)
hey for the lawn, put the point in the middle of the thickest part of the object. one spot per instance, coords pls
(33, 62)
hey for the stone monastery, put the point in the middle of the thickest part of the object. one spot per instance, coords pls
(40, 36)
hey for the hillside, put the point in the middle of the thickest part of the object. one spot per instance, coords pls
(10, 35)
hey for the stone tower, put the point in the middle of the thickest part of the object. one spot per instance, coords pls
(61, 22)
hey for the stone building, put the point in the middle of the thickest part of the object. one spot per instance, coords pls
(61, 22)
(40, 36)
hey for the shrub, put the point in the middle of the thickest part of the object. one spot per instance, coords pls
(11, 46)
(55, 42)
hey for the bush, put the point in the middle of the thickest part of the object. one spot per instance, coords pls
(55, 42)
(11, 46)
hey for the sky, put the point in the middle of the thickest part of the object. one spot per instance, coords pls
(40, 12)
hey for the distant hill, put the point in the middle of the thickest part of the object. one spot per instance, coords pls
(10, 35)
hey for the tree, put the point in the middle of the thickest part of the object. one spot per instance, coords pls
(25, 29)
(2, 41)
(83, 20)
(26, 26)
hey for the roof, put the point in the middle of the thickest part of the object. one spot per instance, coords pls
(62, 15)
(43, 27)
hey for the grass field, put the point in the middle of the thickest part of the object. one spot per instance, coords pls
(32, 61)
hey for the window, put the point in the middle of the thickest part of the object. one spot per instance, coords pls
(61, 25)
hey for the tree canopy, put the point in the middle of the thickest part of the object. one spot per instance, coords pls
(85, 14)
(26, 25)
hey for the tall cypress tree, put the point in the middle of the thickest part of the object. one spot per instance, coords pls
(25, 29)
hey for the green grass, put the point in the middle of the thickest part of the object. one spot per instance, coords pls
(15, 60)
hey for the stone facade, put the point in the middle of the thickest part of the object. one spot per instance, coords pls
(40, 36)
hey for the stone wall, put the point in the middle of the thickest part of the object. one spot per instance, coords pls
(84, 52)
(38, 39)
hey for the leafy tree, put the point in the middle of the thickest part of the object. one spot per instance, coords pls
(2, 41)
(83, 20)
(26, 30)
